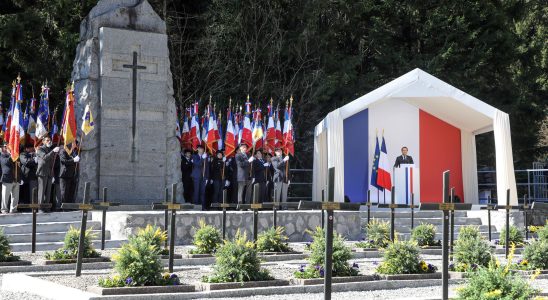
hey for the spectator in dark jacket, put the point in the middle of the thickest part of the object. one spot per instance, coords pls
(218, 176)
(279, 177)
(67, 173)
(200, 176)
(10, 181)
(242, 172)
(186, 171)
(44, 171)
(28, 171)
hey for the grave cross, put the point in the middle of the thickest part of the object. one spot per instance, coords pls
(329, 206)
(35, 207)
(173, 206)
(224, 206)
(445, 207)
(85, 206)
(393, 207)
(508, 207)
(255, 206)
(277, 205)
(489, 207)
(134, 67)
(104, 206)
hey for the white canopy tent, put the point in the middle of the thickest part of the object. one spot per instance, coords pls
(429, 94)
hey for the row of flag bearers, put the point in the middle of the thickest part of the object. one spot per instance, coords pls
(251, 151)
(31, 157)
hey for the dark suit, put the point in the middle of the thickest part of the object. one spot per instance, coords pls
(200, 176)
(217, 175)
(242, 176)
(67, 176)
(279, 179)
(28, 170)
(259, 178)
(10, 183)
(186, 171)
(44, 170)
(401, 160)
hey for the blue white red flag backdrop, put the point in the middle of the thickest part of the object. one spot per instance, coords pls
(436, 121)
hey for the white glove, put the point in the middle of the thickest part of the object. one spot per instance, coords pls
(35, 159)
(224, 158)
(21, 183)
(56, 149)
(227, 183)
(286, 158)
(204, 156)
(76, 159)
(227, 163)
(253, 181)
(266, 164)
(251, 159)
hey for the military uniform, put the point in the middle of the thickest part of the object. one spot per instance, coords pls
(186, 172)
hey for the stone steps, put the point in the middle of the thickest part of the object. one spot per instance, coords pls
(51, 229)
(47, 227)
(44, 237)
(439, 236)
(50, 246)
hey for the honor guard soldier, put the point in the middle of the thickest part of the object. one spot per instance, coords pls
(186, 172)
(280, 176)
(200, 176)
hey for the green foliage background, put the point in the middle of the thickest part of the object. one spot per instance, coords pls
(326, 53)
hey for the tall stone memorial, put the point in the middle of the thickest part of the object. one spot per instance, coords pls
(122, 70)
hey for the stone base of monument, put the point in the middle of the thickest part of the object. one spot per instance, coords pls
(15, 263)
(140, 290)
(279, 253)
(206, 286)
(297, 224)
(73, 261)
(359, 278)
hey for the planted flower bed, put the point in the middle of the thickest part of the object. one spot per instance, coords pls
(207, 240)
(535, 257)
(315, 267)
(378, 236)
(471, 251)
(7, 258)
(69, 252)
(274, 242)
(515, 237)
(424, 235)
(238, 265)
(401, 261)
(157, 237)
(139, 268)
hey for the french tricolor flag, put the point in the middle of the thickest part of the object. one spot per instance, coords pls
(384, 179)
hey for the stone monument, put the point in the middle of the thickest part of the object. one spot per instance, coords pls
(122, 70)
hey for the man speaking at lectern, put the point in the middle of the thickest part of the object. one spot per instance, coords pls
(403, 158)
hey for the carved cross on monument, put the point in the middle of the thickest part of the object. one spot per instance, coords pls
(134, 68)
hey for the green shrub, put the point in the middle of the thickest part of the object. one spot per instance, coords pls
(154, 235)
(378, 235)
(273, 240)
(70, 246)
(237, 261)
(316, 263)
(496, 282)
(535, 255)
(542, 233)
(469, 232)
(515, 236)
(424, 235)
(207, 239)
(471, 250)
(5, 250)
(402, 257)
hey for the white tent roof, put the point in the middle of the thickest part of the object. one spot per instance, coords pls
(437, 98)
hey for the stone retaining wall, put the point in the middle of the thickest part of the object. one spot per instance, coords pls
(296, 223)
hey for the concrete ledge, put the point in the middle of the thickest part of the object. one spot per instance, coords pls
(15, 263)
(36, 286)
(183, 288)
(359, 278)
(73, 261)
(425, 276)
(43, 288)
(190, 255)
(175, 256)
(206, 286)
